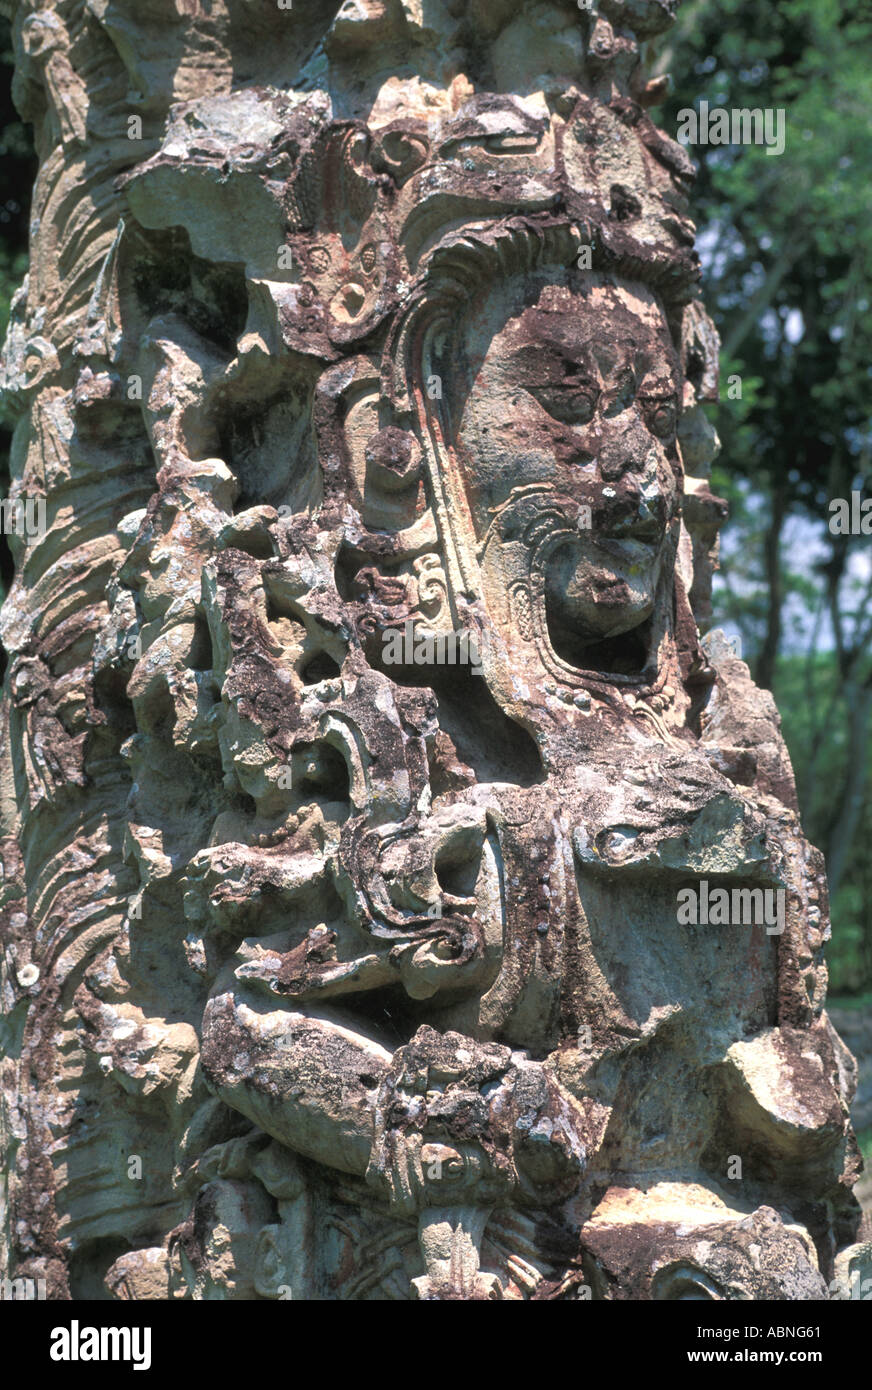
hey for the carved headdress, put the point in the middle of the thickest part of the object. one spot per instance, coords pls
(357, 244)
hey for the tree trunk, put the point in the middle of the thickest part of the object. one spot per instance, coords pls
(858, 700)
(768, 657)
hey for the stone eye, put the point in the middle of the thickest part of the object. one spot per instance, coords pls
(662, 416)
(570, 405)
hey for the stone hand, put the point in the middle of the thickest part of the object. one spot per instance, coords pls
(459, 1122)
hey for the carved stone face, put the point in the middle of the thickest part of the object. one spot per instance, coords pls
(578, 392)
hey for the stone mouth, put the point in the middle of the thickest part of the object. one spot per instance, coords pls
(624, 654)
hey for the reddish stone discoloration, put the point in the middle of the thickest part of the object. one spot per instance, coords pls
(754, 1257)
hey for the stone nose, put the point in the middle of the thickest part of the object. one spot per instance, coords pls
(628, 448)
(630, 510)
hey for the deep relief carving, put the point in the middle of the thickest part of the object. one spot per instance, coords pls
(376, 963)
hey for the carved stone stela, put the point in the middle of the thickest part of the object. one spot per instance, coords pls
(335, 968)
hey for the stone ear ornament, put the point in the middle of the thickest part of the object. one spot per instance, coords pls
(393, 459)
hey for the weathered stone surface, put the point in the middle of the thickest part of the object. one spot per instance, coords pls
(331, 968)
(856, 1031)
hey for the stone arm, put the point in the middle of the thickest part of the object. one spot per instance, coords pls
(444, 1129)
